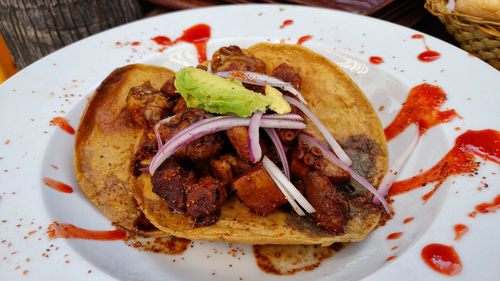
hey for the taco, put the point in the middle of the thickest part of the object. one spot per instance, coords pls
(217, 187)
(105, 142)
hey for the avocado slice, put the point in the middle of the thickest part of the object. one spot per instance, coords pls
(204, 90)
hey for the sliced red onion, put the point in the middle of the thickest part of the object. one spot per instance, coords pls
(394, 169)
(324, 131)
(260, 79)
(279, 147)
(157, 125)
(278, 176)
(253, 137)
(209, 126)
(313, 141)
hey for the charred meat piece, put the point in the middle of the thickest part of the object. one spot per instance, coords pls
(147, 105)
(205, 197)
(169, 182)
(221, 169)
(206, 221)
(179, 107)
(334, 173)
(298, 168)
(287, 74)
(238, 136)
(238, 165)
(169, 88)
(233, 58)
(202, 148)
(332, 209)
(258, 191)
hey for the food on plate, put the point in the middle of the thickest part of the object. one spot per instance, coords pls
(270, 145)
(108, 138)
(484, 9)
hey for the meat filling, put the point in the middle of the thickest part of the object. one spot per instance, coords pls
(148, 105)
(332, 209)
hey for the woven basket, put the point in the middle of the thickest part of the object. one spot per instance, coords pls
(475, 35)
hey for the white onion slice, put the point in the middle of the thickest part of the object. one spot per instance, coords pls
(288, 197)
(253, 137)
(209, 126)
(157, 125)
(271, 168)
(279, 147)
(324, 131)
(394, 169)
(260, 79)
(313, 141)
(287, 116)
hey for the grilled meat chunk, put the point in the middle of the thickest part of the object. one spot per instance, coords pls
(287, 74)
(147, 105)
(202, 148)
(332, 209)
(335, 174)
(205, 197)
(258, 191)
(238, 136)
(233, 58)
(170, 181)
(221, 169)
(169, 88)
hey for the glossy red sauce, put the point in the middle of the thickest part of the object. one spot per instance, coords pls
(407, 220)
(391, 258)
(135, 43)
(57, 185)
(197, 35)
(422, 108)
(489, 207)
(63, 124)
(442, 258)
(428, 55)
(460, 231)
(459, 160)
(285, 23)
(303, 39)
(162, 40)
(394, 235)
(376, 60)
(66, 230)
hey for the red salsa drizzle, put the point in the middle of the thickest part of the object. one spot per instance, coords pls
(460, 231)
(285, 23)
(197, 35)
(429, 55)
(135, 43)
(442, 259)
(407, 220)
(394, 235)
(489, 207)
(63, 124)
(66, 230)
(459, 160)
(376, 60)
(162, 40)
(391, 258)
(422, 108)
(57, 185)
(303, 39)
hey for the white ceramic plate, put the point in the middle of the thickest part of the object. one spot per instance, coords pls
(60, 84)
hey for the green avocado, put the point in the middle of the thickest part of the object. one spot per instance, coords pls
(215, 94)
